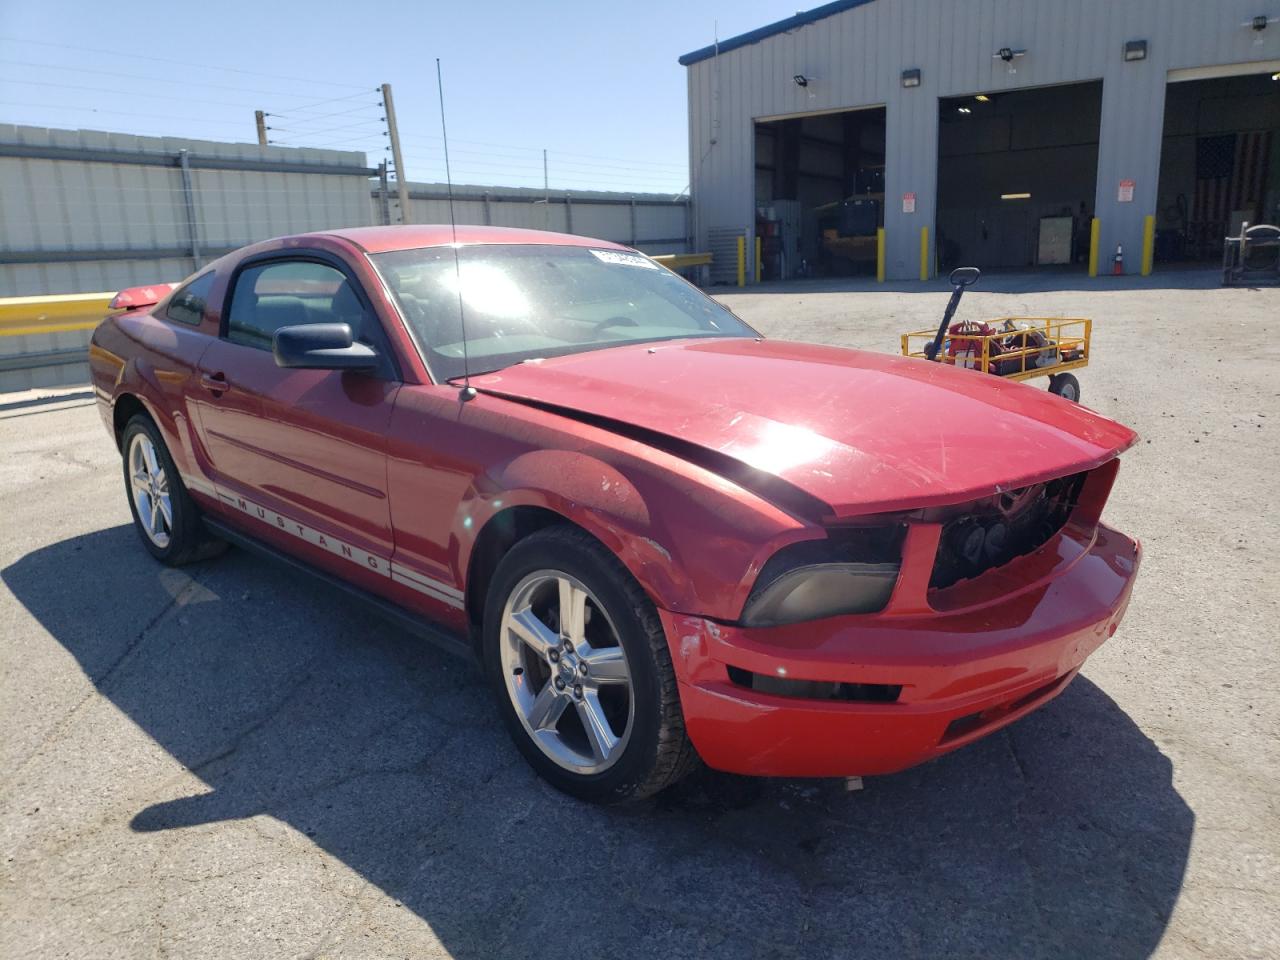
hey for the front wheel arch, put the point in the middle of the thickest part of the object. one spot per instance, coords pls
(499, 534)
(125, 408)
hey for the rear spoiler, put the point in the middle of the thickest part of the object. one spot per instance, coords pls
(135, 297)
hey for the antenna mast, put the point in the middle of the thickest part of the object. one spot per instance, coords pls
(468, 391)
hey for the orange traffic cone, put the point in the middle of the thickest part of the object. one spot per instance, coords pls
(1117, 266)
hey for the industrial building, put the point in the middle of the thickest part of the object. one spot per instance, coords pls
(911, 136)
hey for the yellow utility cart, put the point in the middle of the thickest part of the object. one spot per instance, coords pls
(1016, 348)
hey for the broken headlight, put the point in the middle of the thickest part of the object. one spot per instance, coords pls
(851, 571)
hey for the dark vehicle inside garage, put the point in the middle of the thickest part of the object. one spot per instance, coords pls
(1016, 176)
(820, 193)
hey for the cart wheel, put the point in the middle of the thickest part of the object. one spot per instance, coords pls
(1066, 386)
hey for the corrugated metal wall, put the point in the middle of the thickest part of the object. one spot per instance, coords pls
(857, 57)
(654, 223)
(82, 211)
(86, 211)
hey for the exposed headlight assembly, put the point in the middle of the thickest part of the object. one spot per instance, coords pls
(849, 572)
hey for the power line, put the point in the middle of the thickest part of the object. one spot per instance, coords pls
(128, 93)
(331, 143)
(118, 113)
(306, 107)
(290, 115)
(188, 63)
(62, 68)
(345, 126)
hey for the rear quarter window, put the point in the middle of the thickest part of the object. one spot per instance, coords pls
(187, 304)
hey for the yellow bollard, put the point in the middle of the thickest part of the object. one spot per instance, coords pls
(1148, 244)
(924, 253)
(759, 257)
(880, 255)
(1095, 227)
(742, 261)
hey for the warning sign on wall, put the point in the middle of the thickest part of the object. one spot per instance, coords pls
(908, 203)
(1126, 191)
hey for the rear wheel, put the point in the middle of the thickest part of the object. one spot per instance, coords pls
(1066, 386)
(166, 518)
(581, 670)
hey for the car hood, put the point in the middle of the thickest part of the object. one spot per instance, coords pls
(862, 432)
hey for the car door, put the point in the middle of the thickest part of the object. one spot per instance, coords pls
(299, 455)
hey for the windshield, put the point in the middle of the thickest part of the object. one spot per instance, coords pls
(527, 301)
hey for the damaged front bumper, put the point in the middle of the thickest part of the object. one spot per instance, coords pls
(935, 670)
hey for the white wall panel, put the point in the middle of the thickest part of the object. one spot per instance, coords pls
(600, 214)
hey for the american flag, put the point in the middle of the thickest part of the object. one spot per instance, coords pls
(1231, 171)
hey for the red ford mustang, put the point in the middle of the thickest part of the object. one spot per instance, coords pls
(664, 536)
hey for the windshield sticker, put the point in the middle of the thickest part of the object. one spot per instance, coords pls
(626, 259)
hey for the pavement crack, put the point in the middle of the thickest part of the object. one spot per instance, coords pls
(273, 711)
(1013, 753)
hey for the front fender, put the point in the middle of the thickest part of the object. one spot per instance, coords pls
(685, 549)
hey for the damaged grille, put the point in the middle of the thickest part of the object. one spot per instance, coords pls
(993, 531)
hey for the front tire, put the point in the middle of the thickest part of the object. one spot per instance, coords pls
(581, 670)
(164, 515)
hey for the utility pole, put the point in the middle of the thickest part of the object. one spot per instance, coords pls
(393, 133)
(384, 207)
(260, 118)
(546, 193)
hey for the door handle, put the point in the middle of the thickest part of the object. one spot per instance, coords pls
(214, 382)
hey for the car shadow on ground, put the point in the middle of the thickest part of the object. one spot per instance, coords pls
(1063, 837)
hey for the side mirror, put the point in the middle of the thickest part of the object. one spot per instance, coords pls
(964, 276)
(321, 346)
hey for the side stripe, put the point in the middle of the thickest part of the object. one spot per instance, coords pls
(397, 572)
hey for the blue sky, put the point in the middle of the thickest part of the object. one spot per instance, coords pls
(596, 84)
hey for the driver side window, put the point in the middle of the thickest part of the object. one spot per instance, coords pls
(285, 293)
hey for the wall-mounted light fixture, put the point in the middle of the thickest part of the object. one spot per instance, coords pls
(911, 78)
(1008, 55)
(982, 98)
(1135, 50)
(1015, 196)
(1258, 25)
(801, 80)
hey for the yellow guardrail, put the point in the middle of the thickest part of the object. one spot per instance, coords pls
(60, 313)
(678, 261)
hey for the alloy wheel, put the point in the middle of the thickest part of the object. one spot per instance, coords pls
(149, 487)
(566, 672)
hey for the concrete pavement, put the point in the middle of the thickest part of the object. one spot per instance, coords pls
(230, 761)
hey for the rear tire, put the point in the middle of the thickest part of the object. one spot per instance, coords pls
(1066, 386)
(164, 515)
(590, 696)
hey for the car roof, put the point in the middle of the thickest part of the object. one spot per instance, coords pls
(412, 236)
